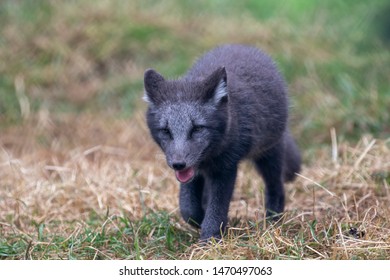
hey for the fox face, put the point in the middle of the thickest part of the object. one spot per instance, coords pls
(187, 119)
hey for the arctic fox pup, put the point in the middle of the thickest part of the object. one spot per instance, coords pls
(232, 104)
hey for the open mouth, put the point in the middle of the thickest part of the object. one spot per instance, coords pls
(185, 175)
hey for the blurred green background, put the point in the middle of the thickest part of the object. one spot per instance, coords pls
(78, 57)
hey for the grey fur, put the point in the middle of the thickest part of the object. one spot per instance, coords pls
(232, 104)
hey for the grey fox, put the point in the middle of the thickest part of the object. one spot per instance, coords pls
(232, 104)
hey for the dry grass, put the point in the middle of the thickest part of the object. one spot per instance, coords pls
(57, 172)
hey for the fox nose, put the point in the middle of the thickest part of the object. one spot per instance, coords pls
(179, 165)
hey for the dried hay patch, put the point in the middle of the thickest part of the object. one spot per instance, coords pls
(66, 169)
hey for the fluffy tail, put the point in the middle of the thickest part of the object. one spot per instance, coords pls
(292, 160)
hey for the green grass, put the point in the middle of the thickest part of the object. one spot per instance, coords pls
(159, 236)
(333, 55)
(156, 236)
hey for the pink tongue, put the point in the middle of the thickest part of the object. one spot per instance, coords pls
(185, 175)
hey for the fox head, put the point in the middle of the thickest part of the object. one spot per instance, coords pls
(187, 118)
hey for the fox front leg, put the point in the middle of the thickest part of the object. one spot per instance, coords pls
(190, 201)
(219, 186)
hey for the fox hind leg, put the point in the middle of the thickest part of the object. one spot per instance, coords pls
(270, 167)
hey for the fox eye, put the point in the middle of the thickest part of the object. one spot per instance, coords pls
(166, 132)
(196, 129)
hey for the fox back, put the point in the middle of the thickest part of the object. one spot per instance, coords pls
(232, 104)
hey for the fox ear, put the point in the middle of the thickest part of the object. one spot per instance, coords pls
(152, 83)
(216, 87)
